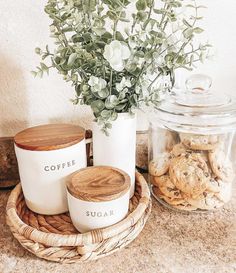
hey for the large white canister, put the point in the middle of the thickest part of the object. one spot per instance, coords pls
(46, 156)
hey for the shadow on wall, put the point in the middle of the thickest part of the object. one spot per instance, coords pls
(13, 102)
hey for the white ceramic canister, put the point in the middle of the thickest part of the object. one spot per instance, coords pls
(46, 156)
(117, 149)
(98, 197)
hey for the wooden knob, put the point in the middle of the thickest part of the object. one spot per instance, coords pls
(49, 137)
(98, 183)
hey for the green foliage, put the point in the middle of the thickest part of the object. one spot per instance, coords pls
(150, 40)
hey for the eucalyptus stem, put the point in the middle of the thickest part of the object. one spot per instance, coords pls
(95, 58)
(58, 26)
(151, 84)
(149, 13)
(166, 8)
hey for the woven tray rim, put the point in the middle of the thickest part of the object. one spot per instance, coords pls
(81, 254)
(92, 237)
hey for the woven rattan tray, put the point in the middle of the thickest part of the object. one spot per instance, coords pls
(54, 238)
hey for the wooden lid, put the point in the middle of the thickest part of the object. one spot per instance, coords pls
(49, 137)
(99, 183)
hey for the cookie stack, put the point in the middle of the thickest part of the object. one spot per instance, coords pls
(194, 173)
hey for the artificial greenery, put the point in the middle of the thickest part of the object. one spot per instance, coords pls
(119, 54)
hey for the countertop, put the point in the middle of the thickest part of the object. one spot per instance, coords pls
(171, 242)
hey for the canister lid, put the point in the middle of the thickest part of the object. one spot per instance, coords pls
(49, 137)
(98, 184)
(197, 109)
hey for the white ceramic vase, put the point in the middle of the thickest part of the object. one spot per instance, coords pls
(118, 149)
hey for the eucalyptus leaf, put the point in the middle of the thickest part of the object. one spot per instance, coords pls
(114, 116)
(38, 51)
(198, 30)
(142, 16)
(115, 57)
(188, 33)
(108, 126)
(103, 93)
(72, 59)
(78, 90)
(141, 5)
(97, 106)
(119, 36)
(120, 107)
(34, 73)
(106, 36)
(43, 66)
(111, 102)
(106, 114)
(122, 95)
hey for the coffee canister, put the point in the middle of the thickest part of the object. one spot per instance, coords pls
(98, 197)
(47, 155)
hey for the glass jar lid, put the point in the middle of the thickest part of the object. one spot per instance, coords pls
(198, 109)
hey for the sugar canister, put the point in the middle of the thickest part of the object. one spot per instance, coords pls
(98, 197)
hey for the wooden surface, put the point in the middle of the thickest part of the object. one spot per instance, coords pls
(99, 183)
(9, 175)
(49, 137)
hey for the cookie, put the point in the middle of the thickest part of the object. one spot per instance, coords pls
(171, 201)
(189, 173)
(151, 179)
(207, 202)
(204, 155)
(159, 165)
(199, 142)
(157, 180)
(157, 191)
(179, 149)
(214, 185)
(185, 206)
(166, 187)
(221, 164)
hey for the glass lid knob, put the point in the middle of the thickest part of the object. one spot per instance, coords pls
(198, 93)
(198, 83)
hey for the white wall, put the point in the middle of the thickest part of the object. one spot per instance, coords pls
(26, 101)
(220, 29)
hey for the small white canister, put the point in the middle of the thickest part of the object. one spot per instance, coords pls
(98, 197)
(47, 155)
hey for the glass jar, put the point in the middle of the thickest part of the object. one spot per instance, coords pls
(191, 148)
